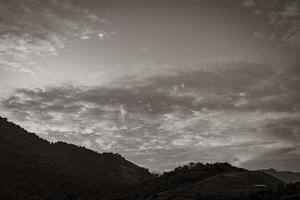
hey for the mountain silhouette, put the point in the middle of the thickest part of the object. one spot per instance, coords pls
(204, 181)
(33, 168)
(286, 176)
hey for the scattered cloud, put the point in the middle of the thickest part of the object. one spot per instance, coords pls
(36, 27)
(283, 18)
(235, 111)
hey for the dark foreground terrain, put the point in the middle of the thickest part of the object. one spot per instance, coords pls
(33, 168)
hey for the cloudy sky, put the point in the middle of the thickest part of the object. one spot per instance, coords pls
(163, 83)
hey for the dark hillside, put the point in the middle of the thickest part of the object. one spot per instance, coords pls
(33, 168)
(220, 181)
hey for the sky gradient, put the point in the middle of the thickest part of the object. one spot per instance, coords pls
(163, 83)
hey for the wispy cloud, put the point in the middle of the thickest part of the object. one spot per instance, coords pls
(283, 18)
(37, 27)
(210, 116)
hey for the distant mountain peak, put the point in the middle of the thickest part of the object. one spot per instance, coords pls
(286, 176)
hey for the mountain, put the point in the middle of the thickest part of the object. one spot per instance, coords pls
(286, 176)
(33, 168)
(233, 185)
(199, 181)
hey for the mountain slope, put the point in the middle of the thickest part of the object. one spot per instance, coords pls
(199, 181)
(286, 176)
(33, 168)
(233, 185)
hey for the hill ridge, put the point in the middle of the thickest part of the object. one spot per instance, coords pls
(32, 166)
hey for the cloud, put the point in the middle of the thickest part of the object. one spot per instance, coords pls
(283, 159)
(248, 3)
(227, 112)
(283, 18)
(284, 129)
(36, 27)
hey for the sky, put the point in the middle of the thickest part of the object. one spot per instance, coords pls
(163, 83)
